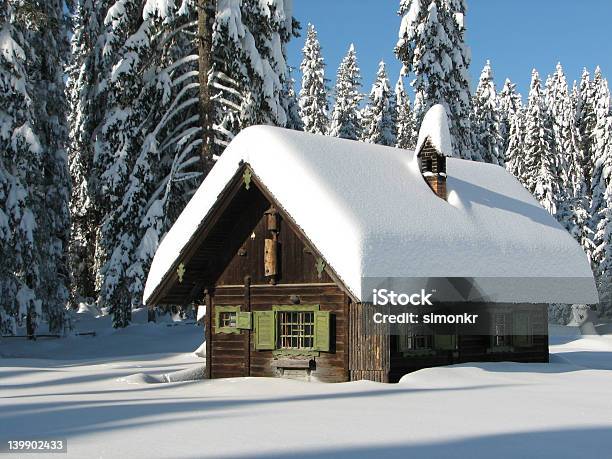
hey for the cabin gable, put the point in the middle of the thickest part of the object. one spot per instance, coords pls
(292, 261)
(223, 250)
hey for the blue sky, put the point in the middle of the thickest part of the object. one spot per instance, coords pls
(515, 35)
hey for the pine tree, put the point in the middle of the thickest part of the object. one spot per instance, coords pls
(49, 39)
(601, 144)
(576, 166)
(405, 119)
(21, 154)
(515, 163)
(250, 81)
(313, 95)
(486, 119)
(601, 190)
(586, 124)
(34, 184)
(345, 115)
(459, 99)
(602, 254)
(379, 122)
(142, 160)
(294, 121)
(510, 104)
(571, 211)
(538, 145)
(84, 116)
(432, 47)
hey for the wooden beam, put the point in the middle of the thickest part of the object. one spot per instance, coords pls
(208, 332)
(247, 307)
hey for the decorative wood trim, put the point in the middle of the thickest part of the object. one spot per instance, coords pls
(296, 307)
(295, 353)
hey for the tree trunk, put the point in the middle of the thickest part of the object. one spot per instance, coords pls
(206, 18)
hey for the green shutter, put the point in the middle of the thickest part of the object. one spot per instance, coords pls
(445, 342)
(243, 320)
(265, 330)
(522, 336)
(321, 330)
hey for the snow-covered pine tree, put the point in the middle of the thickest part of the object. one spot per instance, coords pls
(34, 183)
(271, 26)
(294, 121)
(344, 121)
(515, 153)
(572, 203)
(48, 32)
(601, 144)
(84, 116)
(20, 161)
(379, 122)
(601, 191)
(157, 74)
(459, 98)
(539, 154)
(602, 254)
(510, 103)
(486, 119)
(432, 47)
(145, 161)
(405, 118)
(423, 48)
(313, 95)
(576, 167)
(586, 124)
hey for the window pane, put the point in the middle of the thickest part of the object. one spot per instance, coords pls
(296, 329)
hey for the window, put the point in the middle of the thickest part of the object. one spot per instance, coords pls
(293, 329)
(296, 329)
(227, 319)
(500, 336)
(415, 342)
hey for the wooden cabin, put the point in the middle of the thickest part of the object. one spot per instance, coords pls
(280, 236)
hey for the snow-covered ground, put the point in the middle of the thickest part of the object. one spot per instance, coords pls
(105, 395)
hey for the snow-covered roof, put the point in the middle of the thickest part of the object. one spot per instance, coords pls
(435, 127)
(369, 213)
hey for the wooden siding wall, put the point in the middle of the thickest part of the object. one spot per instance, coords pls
(369, 351)
(229, 351)
(474, 348)
(297, 264)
